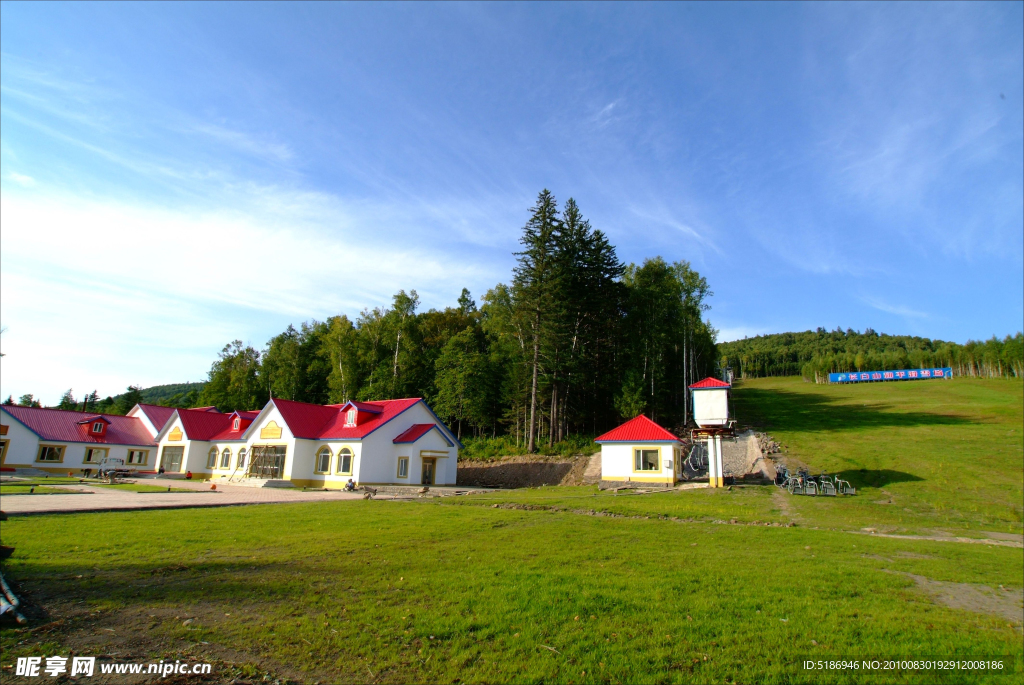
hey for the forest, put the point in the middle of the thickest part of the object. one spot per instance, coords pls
(815, 354)
(572, 344)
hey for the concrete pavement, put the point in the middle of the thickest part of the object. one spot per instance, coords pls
(102, 499)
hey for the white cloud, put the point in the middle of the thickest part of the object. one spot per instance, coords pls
(21, 179)
(106, 293)
(898, 310)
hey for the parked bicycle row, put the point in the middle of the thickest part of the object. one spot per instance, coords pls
(803, 483)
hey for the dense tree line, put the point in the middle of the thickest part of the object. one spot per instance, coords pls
(576, 342)
(815, 354)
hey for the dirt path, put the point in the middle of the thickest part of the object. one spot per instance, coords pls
(981, 599)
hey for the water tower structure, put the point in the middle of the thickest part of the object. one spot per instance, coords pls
(711, 414)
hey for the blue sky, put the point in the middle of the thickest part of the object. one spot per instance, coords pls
(175, 176)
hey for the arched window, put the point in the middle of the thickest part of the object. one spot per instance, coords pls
(237, 423)
(345, 461)
(323, 459)
(211, 458)
(241, 458)
(225, 458)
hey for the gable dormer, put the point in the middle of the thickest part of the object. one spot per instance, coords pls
(95, 426)
(358, 413)
(240, 421)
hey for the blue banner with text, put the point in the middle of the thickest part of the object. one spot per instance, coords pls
(901, 375)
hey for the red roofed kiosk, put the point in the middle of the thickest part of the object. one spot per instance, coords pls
(639, 452)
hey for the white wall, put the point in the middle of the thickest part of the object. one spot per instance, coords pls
(711, 407)
(617, 462)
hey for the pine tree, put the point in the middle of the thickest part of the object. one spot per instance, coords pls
(68, 401)
(535, 285)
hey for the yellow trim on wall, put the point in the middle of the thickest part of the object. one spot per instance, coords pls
(175, 435)
(60, 449)
(271, 431)
(3, 450)
(640, 479)
(398, 473)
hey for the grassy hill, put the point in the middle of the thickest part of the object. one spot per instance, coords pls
(573, 585)
(820, 352)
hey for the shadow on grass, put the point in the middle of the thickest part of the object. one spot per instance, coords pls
(809, 412)
(877, 478)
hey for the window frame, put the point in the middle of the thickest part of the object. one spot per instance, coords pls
(638, 460)
(3, 449)
(324, 451)
(351, 416)
(225, 458)
(403, 461)
(143, 462)
(242, 453)
(97, 427)
(342, 453)
(44, 447)
(212, 458)
(89, 452)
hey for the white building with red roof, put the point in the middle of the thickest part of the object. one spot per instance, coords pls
(60, 441)
(640, 451)
(386, 442)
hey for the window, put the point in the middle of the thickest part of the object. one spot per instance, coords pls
(350, 419)
(51, 453)
(137, 457)
(236, 424)
(97, 427)
(94, 455)
(241, 458)
(211, 458)
(225, 459)
(345, 461)
(323, 460)
(646, 460)
(403, 467)
(3, 450)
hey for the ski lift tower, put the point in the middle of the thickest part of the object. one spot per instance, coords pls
(711, 413)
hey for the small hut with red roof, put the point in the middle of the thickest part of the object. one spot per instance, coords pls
(640, 452)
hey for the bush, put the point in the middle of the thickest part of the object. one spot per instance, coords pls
(505, 446)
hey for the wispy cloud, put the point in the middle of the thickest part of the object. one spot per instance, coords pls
(21, 179)
(248, 144)
(898, 310)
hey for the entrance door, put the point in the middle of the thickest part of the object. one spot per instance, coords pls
(429, 466)
(171, 460)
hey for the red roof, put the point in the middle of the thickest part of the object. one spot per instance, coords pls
(640, 429)
(709, 384)
(60, 425)
(319, 422)
(158, 416)
(417, 431)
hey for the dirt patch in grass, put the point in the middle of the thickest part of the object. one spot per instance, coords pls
(524, 471)
(149, 635)
(981, 599)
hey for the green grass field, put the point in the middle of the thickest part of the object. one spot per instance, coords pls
(537, 586)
